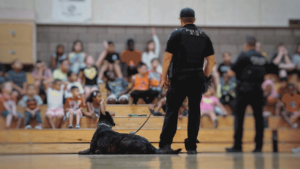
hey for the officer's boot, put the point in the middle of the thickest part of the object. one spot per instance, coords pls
(166, 149)
(234, 150)
(190, 146)
(258, 148)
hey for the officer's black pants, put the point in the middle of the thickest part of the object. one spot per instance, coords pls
(255, 99)
(176, 94)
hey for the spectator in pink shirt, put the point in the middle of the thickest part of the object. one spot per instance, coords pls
(42, 75)
(207, 105)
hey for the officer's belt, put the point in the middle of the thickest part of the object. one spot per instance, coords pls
(190, 70)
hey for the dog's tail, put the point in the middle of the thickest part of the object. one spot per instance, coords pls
(176, 151)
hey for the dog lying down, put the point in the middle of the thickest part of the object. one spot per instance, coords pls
(107, 141)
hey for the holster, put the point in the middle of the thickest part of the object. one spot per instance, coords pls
(171, 70)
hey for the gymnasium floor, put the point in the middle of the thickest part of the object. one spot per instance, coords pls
(202, 161)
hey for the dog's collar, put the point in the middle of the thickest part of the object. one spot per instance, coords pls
(104, 124)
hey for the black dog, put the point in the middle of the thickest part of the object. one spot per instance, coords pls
(107, 141)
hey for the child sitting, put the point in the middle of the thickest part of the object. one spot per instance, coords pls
(18, 78)
(270, 96)
(155, 77)
(95, 105)
(110, 60)
(8, 106)
(117, 89)
(228, 91)
(161, 104)
(31, 103)
(207, 105)
(61, 72)
(291, 111)
(77, 57)
(90, 76)
(141, 85)
(58, 56)
(73, 107)
(72, 77)
(55, 103)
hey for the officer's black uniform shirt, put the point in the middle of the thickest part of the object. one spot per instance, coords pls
(250, 69)
(174, 46)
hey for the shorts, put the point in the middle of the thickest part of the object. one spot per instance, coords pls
(55, 112)
(113, 96)
(91, 86)
(68, 114)
(5, 113)
(205, 112)
(131, 71)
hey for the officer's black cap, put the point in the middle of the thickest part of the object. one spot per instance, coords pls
(251, 41)
(187, 12)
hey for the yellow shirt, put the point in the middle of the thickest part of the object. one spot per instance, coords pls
(58, 74)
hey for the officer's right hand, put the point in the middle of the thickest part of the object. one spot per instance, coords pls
(206, 84)
(165, 83)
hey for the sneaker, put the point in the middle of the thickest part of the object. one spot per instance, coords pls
(38, 127)
(100, 81)
(295, 125)
(185, 113)
(233, 150)
(216, 123)
(77, 126)
(153, 112)
(296, 150)
(70, 127)
(191, 152)
(159, 114)
(28, 127)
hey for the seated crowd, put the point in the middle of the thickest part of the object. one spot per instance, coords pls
(70, 88)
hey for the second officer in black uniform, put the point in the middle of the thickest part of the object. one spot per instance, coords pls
(183, 64)
(250, 69)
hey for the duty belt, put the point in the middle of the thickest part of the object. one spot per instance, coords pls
(190, 70)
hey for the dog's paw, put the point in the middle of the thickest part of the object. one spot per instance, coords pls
(84, 152)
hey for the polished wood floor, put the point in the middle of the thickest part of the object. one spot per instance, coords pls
(202, 161)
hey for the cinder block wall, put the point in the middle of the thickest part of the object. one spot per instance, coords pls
(224, 39)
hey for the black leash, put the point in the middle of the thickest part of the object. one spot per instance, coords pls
(150, 112)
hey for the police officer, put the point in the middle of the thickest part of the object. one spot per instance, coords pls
(250, 69)
(183, 64)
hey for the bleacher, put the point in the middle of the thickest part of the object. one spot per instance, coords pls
(277, 137)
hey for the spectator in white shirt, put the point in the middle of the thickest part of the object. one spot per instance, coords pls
(152, 51)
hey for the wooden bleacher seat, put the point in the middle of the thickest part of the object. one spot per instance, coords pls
(276, 122)
(288, 139)
(126, 122)
(123, 121)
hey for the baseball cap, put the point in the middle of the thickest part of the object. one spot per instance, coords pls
(187, 12)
